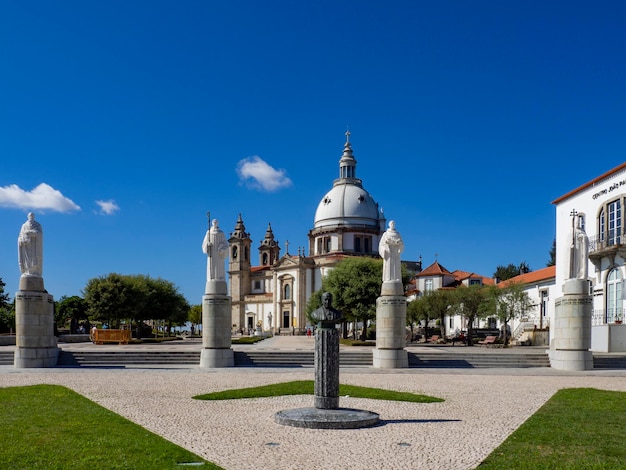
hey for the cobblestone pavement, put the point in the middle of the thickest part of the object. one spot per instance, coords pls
(481, 408)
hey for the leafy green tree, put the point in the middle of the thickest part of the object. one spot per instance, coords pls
(314, 302)
(109, 298)
(7, 310)
(507, 272)
(164, 302)
(4, 297)
(512, 302)
(472, 302)
(355, 285)
(115, 297)
(435, 304)
(195, 314)
(68, 309)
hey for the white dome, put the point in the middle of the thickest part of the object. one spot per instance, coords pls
(347, 204)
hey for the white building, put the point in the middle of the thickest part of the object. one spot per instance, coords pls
(598, 207)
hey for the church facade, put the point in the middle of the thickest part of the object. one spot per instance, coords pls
(272, 295)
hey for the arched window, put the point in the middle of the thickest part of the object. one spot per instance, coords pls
(614, 295)
(615, 222)
(264, 260)
(287, 292)
(234, 252)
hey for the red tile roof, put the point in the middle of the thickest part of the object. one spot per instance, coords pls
(433, 270)
(531, 277)
(590, 183)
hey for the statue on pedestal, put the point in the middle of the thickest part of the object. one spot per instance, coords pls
(390, 248)
(215, 247)
(579, 262)
(30, 247)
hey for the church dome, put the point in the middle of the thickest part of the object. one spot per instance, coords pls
(347, 204)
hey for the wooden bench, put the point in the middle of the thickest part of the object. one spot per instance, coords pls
(110, 336)
(488, 341)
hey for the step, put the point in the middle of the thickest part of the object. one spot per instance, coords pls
(306, 358)
(6, 358)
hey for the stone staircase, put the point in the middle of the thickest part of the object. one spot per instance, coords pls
(608, 361)
(6, 358)
(123, 358)
(474, 360)
(260, 358)
(297, 358)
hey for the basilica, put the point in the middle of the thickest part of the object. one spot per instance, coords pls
(273, 294)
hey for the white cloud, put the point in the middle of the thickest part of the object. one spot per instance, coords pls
(260, 175)
(43, 197)
(108, 207)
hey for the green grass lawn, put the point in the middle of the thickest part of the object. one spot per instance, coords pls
(581, 428)
(49, 426)
(306, 387)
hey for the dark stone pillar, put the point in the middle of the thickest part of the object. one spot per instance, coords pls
(327, 368)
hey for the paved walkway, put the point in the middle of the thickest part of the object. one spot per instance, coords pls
(481, 408)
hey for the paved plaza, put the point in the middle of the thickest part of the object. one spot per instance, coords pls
(481, 408)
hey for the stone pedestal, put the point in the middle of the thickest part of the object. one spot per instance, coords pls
(326, 390)
(35, 343)
(570, 347)
(327, 414)
(216, 328)
(391, 328)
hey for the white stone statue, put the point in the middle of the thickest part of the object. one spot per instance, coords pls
(215, 247)
(30, 247)
(580, 253)
(390, 248)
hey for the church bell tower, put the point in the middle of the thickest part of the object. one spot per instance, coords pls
(239, 271)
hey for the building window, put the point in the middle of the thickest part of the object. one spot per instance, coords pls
(614, 296)
(357, 244)
(264, 259)
(234, 252)
(602, 225)
(245, 254)
(257, 285)
(615, 222)
(474, 282)
(287, 292)
(428, 285)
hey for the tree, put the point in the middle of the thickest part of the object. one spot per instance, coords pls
(552, 260)
(314, 302)
(355, 285)
(72, 308)
(7, 310)
(117, 297)
(433, 304)
(109, 298)
(507, 272)
(512, 302)
(195, 314)
(472, 302)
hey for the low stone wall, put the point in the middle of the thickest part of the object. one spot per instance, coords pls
(7, 340)
(79, 338)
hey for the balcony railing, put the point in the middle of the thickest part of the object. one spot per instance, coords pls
(610, 315)
(604, 241)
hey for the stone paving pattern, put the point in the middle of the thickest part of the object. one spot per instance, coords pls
(482, 407)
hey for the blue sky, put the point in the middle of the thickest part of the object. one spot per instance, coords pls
(123, 122)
